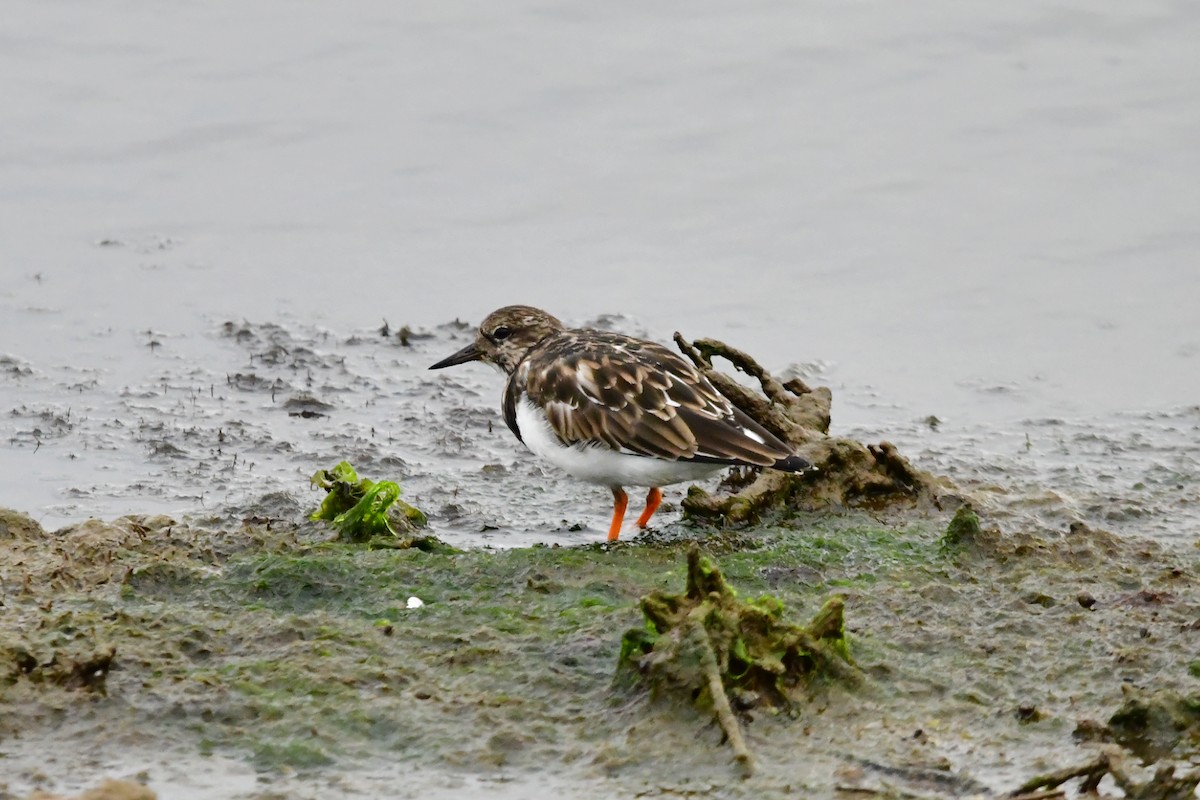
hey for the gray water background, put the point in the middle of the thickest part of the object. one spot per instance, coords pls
(987, 212)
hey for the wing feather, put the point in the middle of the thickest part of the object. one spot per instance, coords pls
(609, 390)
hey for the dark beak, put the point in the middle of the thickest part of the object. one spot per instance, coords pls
(468, 353)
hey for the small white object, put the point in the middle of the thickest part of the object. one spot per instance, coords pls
(415, 602)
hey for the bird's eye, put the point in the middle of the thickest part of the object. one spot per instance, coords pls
(501, 333)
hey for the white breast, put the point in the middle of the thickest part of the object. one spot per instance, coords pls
(598, 464)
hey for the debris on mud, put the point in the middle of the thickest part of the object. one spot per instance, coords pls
(364, 510)
(307, 406)
(967, 538)
(850, 473)
(1150, 723)
(1164, 785)
(712, 646)
(87, 672)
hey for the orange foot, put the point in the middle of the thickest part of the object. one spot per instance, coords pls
(652, 501)
(620, 501)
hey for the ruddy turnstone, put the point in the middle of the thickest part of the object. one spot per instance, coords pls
(614, 410)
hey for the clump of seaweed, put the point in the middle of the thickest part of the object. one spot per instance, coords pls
(362, 510)
(963, 529)
(849, 473)
(709, 645)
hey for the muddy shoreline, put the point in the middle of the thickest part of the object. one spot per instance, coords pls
(270, 646)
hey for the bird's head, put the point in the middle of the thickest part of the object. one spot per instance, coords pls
(505, 337)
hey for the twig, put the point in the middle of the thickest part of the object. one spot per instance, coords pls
(721, 707)
(1163, 786)
(691, 352)
(1097, 768)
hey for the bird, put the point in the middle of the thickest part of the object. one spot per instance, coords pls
(615, 410)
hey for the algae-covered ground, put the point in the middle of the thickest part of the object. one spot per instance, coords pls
(266, 659)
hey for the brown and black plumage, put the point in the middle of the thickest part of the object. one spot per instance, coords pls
(616, 410)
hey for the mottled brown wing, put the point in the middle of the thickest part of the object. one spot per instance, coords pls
(639, 397)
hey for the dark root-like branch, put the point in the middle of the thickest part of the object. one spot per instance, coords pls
(849, 473)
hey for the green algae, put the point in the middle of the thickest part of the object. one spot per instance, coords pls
(261, 633)
(756, 649)
(963, 529)
(295, 653)
(362, 510)
(294, 753)
(708, 644)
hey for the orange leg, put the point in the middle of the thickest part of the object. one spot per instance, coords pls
(620, 501)
(652, 501)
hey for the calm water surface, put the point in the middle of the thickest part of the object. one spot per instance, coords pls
(985, 212)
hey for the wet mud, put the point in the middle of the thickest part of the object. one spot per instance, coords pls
(298, 654)
(1041, 621)
(108, 789)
